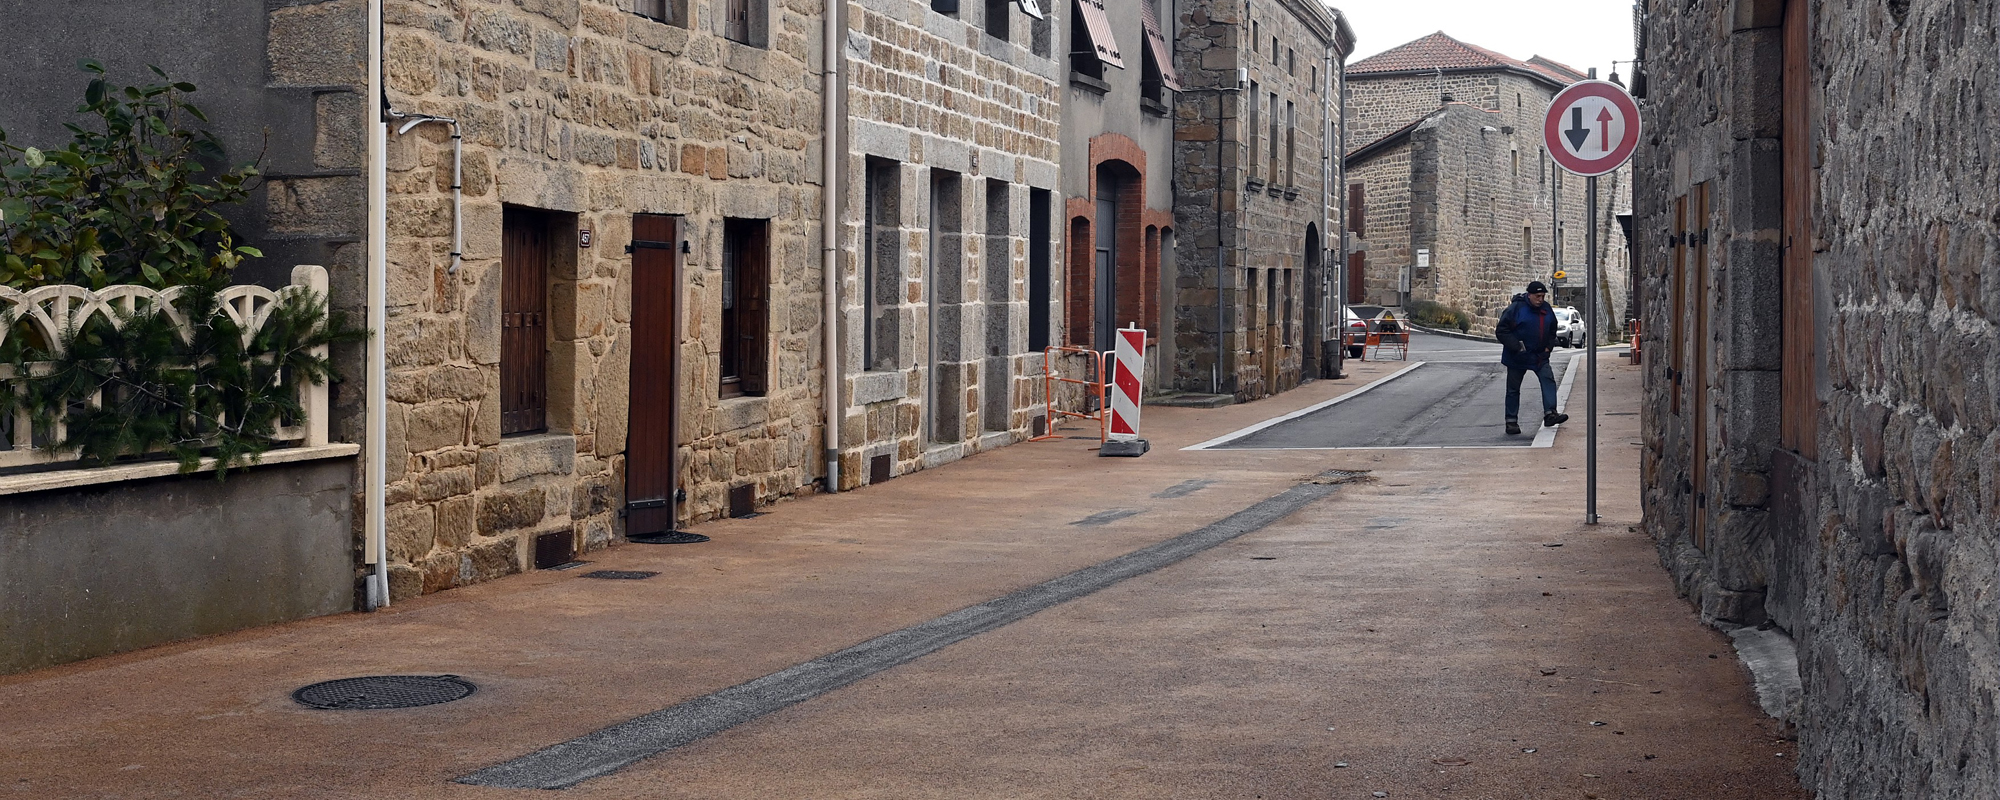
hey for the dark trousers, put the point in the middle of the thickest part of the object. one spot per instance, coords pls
(1548, 379)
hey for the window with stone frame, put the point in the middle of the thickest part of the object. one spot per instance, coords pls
(1274, 138)
(671, 12)
(1092, 45)
(997, 19)
(948, 8)
(746, 307)
(1256, 99)
(881, 264)
(745, 21)
(1291, 144)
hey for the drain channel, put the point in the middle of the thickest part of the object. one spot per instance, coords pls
(610, 749)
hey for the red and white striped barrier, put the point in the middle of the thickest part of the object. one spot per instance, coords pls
(1127, 383)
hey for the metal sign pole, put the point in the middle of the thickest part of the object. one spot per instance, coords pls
(1590, 332)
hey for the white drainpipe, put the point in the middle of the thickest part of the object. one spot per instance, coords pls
(830, 58)
(376, 544)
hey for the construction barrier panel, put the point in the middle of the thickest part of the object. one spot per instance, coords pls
(1128, 372)
(1386, 347)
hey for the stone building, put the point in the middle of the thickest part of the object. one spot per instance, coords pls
(948, 285)
(631, 336)
(1254, 132)
(1117, 143)
(1451, 195)
(1821, 435)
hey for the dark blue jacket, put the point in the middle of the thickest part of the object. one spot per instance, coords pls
(1528, 332)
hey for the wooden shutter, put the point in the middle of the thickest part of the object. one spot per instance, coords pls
(1676, 324)
(753, 307)
(524, 260)
(1799, 426)
(736, 20)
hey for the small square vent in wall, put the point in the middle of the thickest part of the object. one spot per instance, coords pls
(554, 549)
(881, 468)
(743, 501)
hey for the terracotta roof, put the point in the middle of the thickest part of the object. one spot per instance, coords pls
(1556, 68)
(1438, 51)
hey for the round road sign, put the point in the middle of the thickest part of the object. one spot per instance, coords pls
(1592, 128)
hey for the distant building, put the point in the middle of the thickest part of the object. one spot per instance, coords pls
(1451, 196)
(1256, 132)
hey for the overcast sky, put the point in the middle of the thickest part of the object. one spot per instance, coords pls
(1580, 33)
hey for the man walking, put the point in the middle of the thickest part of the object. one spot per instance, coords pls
(1527, 330)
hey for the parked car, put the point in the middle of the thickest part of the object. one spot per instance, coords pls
(1356, 335)
(1569, 327)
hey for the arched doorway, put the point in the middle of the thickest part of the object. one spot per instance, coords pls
(1317, 310)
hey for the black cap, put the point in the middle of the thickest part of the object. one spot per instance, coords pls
(1536, 287)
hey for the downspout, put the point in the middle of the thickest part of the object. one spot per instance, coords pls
(375, 547)
(830, 58)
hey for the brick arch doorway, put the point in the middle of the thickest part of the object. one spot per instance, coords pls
(1114, 267)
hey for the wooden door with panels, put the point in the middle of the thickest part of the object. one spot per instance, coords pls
(651, 480)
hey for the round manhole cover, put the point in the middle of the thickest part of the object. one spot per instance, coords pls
(384, 691)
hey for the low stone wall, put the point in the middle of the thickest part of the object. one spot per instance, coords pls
(106, 569)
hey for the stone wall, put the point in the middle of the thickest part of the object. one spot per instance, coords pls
(584, 109)
(1267, 215)
(937, 102)
(1877, 555)
(103, 569)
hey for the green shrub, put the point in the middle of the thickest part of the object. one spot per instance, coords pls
(131, 199)
(1432, 314)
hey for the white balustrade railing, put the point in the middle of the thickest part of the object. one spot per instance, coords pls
(48, 311)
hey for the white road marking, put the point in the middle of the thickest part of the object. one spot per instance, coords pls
(1238, 434)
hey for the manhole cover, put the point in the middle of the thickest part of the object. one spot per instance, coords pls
(669, 537)
(384, 691)
(1339, 476)
(620, 574)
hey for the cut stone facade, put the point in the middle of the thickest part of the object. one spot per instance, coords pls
(1453, 164)
(1820, 428)
(593, 114)
(952, 137)
(1251, 192)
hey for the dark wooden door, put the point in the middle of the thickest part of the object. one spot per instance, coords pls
(1357, 266)
(650, 477)
(524, 280)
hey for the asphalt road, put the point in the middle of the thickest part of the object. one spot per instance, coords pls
(1453, 397)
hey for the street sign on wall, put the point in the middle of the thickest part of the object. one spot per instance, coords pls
(1592, 128)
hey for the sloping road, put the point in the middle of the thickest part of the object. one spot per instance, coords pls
(1453, 397)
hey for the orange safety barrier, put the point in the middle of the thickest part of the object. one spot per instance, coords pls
(1092, 388)
(1379, 343)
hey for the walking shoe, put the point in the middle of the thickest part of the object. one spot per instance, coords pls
(1553, 419)
(1513, 428)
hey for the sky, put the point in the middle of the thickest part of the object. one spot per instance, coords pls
(1579, 33)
